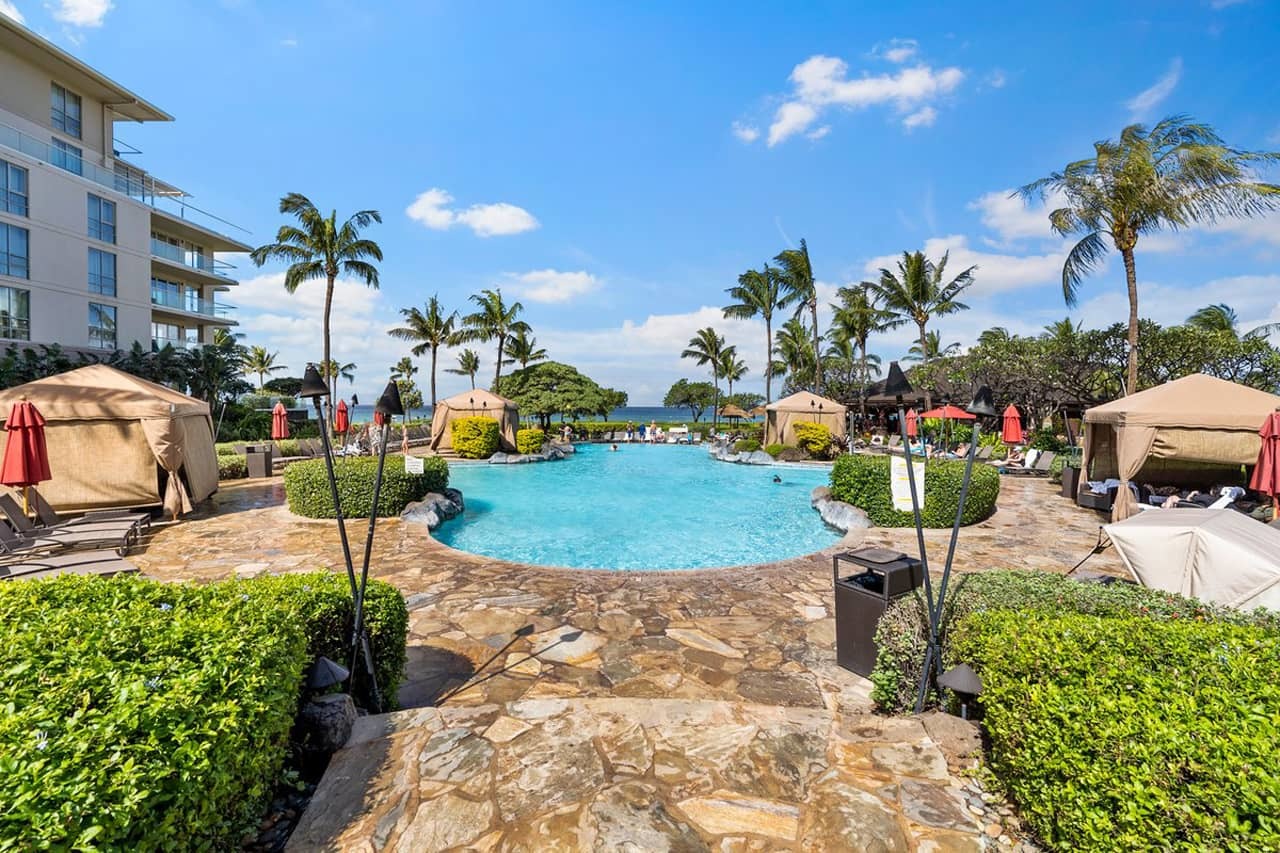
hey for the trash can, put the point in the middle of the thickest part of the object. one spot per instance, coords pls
(1070, 481)
(869, 579)
(257, 459)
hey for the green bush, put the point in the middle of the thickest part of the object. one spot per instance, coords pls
(530, 440)
(287, 447)
(863, 481)
(1132, 733)
(232, 466)
(306, 485)
(746, 445)
(1046, 440)
(814, 439)
(900, 637)
(256, 401)
(774, 449)
(475, 438)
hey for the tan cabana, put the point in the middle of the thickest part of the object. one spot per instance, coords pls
(471, 404)
(1197, 419)
(801, 406)
(116, 440)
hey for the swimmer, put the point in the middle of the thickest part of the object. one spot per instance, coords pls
(613, 447)
(777, 478)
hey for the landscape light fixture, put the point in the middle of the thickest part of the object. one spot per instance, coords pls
(324, 673)
(965, 683)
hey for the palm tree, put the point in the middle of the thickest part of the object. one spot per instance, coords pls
(758, 294)
(1174, 175)
(260, 362)
(468, 365)
(855, 319)
(707, 347)
(800, 288)
(934, 348)
(523, 349)
(495, 321)
(431, 330)
(1223, 318)
(919, 292)
(732, 368)
(404, 369)
(331, 371)
(795, 353)
(319, 248)
(996, 335)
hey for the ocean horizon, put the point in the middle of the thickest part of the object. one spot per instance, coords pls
(639, 414)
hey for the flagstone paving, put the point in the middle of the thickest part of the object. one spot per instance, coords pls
(750, 649)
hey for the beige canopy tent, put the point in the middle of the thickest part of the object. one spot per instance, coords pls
(471, 404)
(801, 406)
(116, 440)
(1197, 419)
(1216, 555)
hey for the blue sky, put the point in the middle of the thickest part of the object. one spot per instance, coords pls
(616, 166)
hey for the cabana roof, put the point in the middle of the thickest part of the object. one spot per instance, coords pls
(1197, 401)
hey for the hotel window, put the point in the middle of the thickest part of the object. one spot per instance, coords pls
(129, 180)
(102, 219)
(102, 272)
(14, 252)
(102, 326)
(166, 293)
(67, 157)
(15, 313)
(65, 111)
(13, 189)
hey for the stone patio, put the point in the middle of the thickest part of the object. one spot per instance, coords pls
(747, 649)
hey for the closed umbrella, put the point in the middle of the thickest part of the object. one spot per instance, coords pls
(26, 458)
(1012, 432)
(342, 420)
(913, 423)
(279, 423)
(378, 418)
(1266, 474)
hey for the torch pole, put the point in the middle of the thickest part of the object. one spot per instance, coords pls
(359, 638)
(333, 491)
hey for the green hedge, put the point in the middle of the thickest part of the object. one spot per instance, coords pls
(232, 466)
(774, 449)
(746, 445)
(814, 439)
(529, 440)
(475, 438)
(1132, 733)
(900, 637)
(306, 485)
(141, 715)
(863, 481)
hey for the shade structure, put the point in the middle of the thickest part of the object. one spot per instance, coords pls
(1197, 419)
(26, 456)
(1266, 473)
(949, 413)
(732, 411)
(1012, 432)
(279, 422)
(115, 440)
(757, 411)
(1216, 555)
(803, 406)
(475, 403)
(913, 423)
(341, 418)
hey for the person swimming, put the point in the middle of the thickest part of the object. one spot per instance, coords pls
(777, 478)
(613, 447)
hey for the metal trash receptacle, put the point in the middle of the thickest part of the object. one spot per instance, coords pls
(863, 596)
(1070, 481)
(257, 458)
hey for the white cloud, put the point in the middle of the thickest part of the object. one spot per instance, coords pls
(746, 132)
(11, 11)
(897, 51)
(553, 286)
(1012, 218)
(822, 82)
(431, 209)
(1148, 99)
(996, 273)
(289, 42)
(1254, 298)
(820, 132)
(82, 13)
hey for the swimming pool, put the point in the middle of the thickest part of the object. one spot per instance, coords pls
(643, 507)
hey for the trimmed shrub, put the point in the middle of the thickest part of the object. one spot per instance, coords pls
(306, 485)
(529, 440)
(1131, 733)
(814, 439)
(1046, 440)
(475, 438)
(232, 466)
(774, 449)
(902, 632)
(746, 445)
(287, 447)
(863, 481)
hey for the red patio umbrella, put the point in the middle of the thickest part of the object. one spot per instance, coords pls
(378, 418)
(341, 421)
(1266, 474)
(1012, 432)
(26, 458)
(913, 421)
(279, 422)
(949, 413)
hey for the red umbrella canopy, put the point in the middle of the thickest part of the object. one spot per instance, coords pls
(913, 421)
(279, 422)
(949, 413)
(378, 418)
(342, 421)
(1266, 474)
(26, 458)
(1012, 432)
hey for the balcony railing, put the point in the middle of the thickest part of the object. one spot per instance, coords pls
(130, 181)
(177, 343)
(190, 304)
(196, 260)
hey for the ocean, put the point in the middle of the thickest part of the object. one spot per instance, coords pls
(639, 414)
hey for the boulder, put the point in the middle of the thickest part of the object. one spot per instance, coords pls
(842, 516)
(819, 494)
(757, 457)
(325, 722)
(792, 454)
(434, 508)
(498, 459)
(456, 496)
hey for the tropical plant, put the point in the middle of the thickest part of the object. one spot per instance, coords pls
(732, 368)
(550, 388)
(332, 371)
(856, 318)
(1176, 174)
(795, 354)
(468, 365)
(758, 294)
(707, 348)
(319, 248)
(935, 349)
(697, 397)
(429, 330)
(494, 321)
(800, 289)
(919, 291)
(212, 372)
(523, 349)
(403, 369)
(259, 362)
(1223, 318)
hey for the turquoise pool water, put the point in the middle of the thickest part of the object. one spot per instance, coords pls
(643, 507)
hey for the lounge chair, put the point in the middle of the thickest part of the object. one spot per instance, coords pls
(50, 518)
(984, 453)
(78, 563)
(25, 536)
(1039, 469)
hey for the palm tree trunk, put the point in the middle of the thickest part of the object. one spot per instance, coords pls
(1131, 278)
(817, 353)
(433, 380)
(862, 383)
(497, 371)
(924, 359)
(473, 380)
(768, 359)
(715, 412)
(331, 381)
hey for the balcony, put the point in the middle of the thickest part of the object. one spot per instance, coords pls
(195, 260)
(158, 344)
(129, 181)
(191, 304)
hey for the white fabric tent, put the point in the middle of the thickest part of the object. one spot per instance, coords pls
(1216, 555)
(782, 415)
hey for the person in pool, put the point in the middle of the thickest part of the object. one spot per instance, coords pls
(777, 478)
(613, 448)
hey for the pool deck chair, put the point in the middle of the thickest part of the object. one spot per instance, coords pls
(1040, 469)
(50, 518)
(120, 533)
(78, 563)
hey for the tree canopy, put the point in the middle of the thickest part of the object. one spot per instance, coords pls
(697, 397)
(551, 388)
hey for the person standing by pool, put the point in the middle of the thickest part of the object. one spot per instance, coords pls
(631, 432)
(653, 430)
(642, 428)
